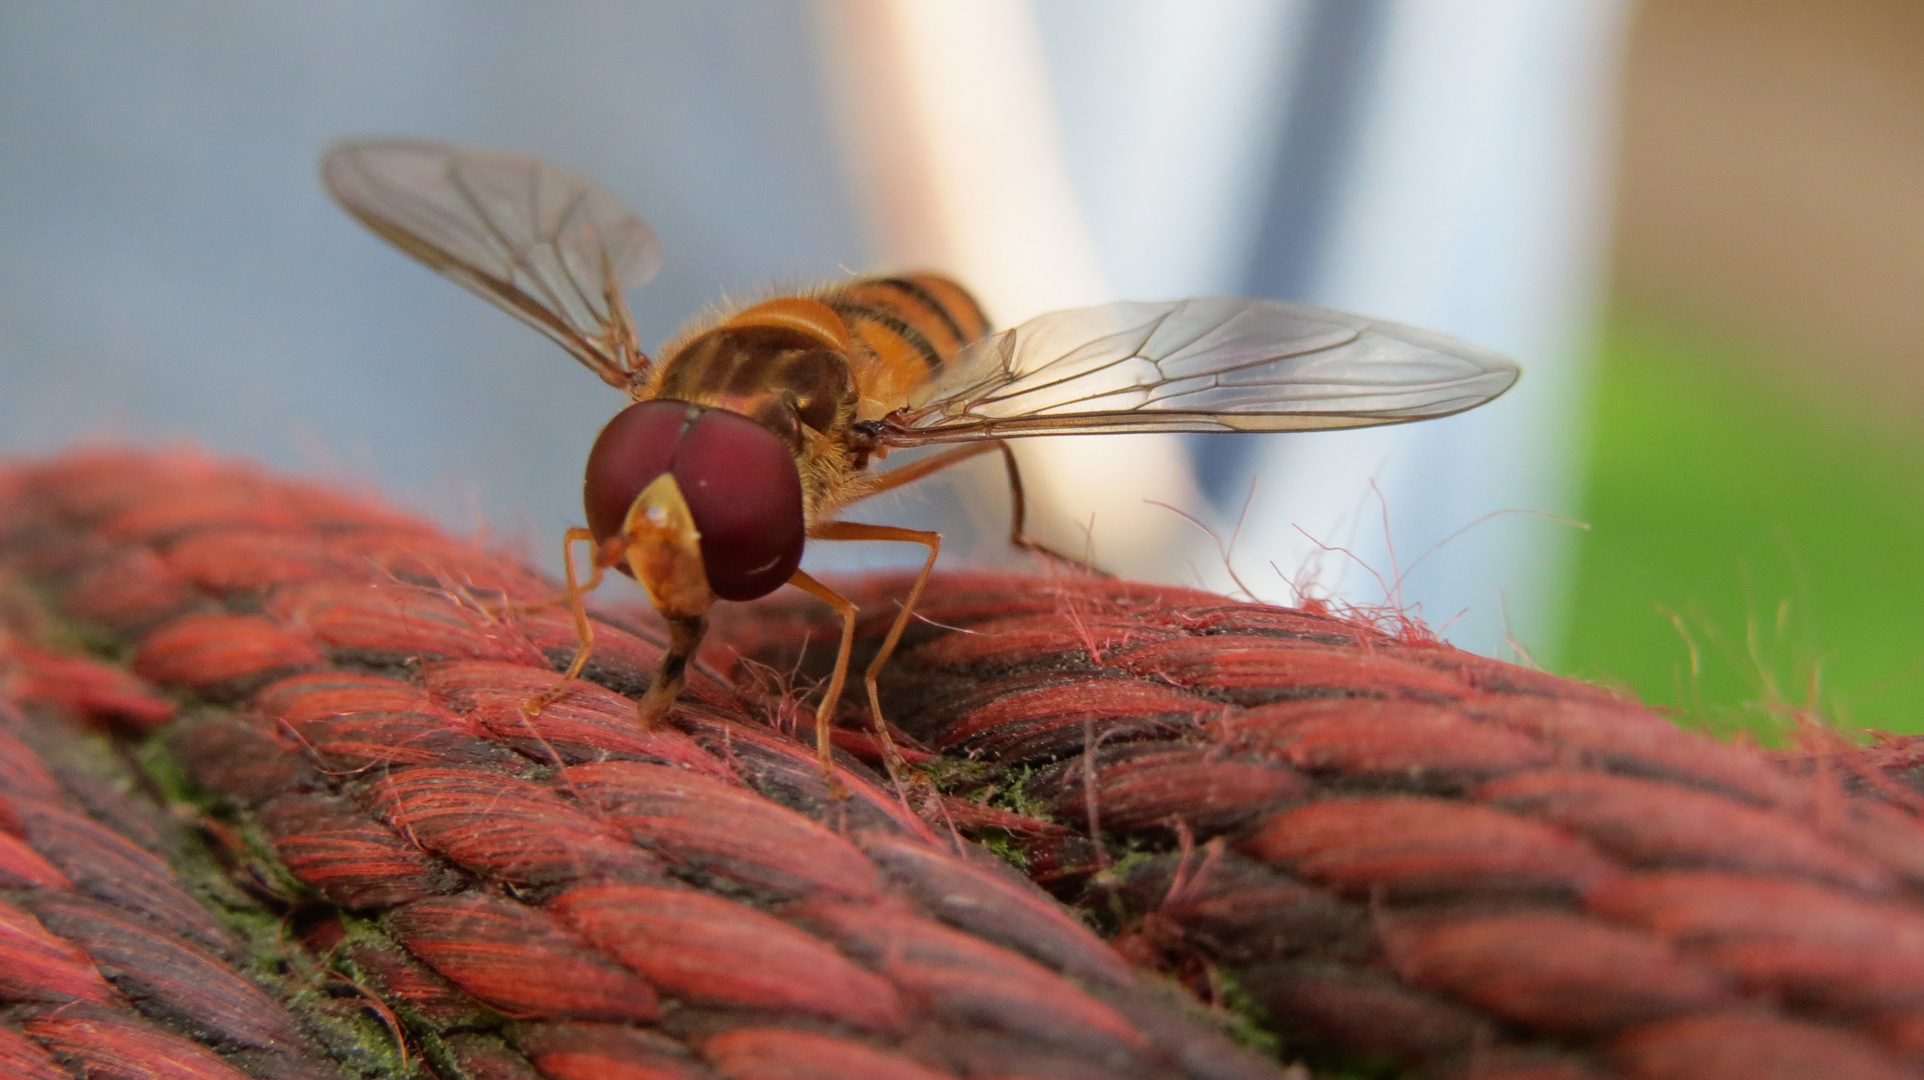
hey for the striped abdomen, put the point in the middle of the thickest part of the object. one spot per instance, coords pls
(904, 329)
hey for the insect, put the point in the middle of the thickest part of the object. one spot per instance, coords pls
(749, 434)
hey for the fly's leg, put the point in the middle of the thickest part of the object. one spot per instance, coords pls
(608, 553)
(684, 637)
(1018, 517)
(685, 633)
(849, 530)
(584, 630)
(1018, 503)
(825, 712)
(934, 463)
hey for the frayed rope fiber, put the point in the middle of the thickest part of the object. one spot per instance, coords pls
(270, 807)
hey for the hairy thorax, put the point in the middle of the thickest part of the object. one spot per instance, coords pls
(783, 379)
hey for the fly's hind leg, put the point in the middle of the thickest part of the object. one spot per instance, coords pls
(1019, 513)
(1018, 503)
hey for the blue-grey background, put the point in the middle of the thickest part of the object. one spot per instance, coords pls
(170, 269)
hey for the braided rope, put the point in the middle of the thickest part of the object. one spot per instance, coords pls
(313, 834)
(269, 807)
(1398, 851)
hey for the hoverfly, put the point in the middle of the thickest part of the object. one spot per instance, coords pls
(748, 434)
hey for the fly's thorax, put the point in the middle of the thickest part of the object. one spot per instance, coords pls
(791, 381)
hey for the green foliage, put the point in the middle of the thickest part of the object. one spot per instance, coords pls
(1004, 789)
(1246, 1020)
(1757, 544)
(1011, 793)
(1005, 846)
(956, 775)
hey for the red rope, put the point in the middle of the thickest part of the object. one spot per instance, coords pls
(365, 800)
(1353, 844)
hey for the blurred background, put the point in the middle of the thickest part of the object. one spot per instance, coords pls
(1699, 225)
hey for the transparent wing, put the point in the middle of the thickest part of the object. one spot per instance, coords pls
(1196, 365)
(551, 247)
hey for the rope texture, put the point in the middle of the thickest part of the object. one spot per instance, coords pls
(1388, 848)
(270, 807)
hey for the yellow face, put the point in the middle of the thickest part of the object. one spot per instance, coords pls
(664, 550)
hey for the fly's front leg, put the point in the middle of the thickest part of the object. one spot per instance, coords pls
(584, 630)
(849, 530)
(684, 634)
(608, 553)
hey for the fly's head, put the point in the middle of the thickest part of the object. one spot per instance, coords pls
(708, 502)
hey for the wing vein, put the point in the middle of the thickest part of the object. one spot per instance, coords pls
(1209, 364)
(476, 216)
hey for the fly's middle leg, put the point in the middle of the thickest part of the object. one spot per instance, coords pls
(1018, 502)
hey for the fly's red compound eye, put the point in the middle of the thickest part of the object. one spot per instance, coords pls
(635, 447)
(741, 486)
(737, 477)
